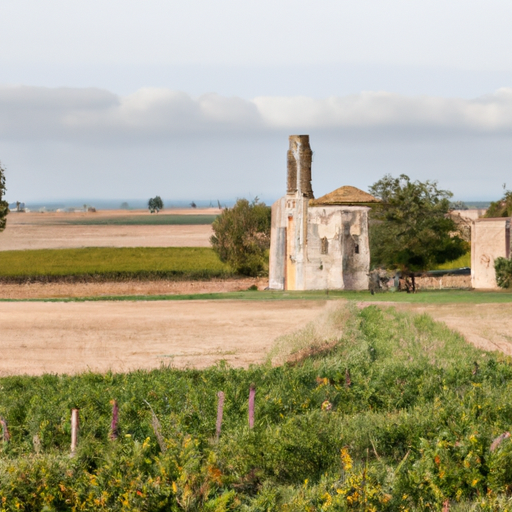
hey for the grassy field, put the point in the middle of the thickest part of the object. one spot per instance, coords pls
(112, 263)
(463, 261)
(423, 297)
(161, 219)
(395, 413)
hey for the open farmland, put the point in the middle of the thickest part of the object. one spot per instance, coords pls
(394, 413)
(107, 229)
(57, 337)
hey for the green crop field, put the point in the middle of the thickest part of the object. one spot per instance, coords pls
(161, 219)
(112, 263)
(396, 413)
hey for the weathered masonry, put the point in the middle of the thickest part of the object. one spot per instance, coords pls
(490, 239)
(318, 244)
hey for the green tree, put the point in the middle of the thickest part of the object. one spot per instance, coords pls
(4, 207)
(411, 230)
(502, 207)
(242, 236)
(155, 204)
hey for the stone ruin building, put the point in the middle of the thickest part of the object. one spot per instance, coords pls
(490, 239)
(318, 244)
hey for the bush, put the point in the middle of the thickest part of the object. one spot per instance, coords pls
(503, 268)
(242, 237)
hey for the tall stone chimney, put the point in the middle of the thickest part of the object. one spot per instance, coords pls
(299, 166)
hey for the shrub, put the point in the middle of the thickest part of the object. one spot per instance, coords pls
(242, 237)
(503, 268)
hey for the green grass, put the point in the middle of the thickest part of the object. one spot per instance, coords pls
(161, 219)
(414, 410)
(423, 297)
(463, 261)
(112, 263)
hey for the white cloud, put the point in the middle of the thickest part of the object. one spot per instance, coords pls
(93, 115)
(383, 109)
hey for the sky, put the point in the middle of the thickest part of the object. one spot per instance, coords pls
(194, 100)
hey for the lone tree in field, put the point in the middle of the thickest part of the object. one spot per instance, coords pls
(155, 204)
(242, 236)
(410, 230)
(4, 207)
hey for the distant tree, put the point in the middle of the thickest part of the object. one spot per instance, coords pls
(502, 207)
(125, 205)
(155, 204)
(458, 205)
(411, 230)
(242, 236)
(4, 207)
(193, 205)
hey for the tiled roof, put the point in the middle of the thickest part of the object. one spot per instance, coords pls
(344, 195)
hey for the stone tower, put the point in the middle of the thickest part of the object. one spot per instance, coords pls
(299, 166)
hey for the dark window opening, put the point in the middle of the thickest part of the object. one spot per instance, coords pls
(325, 245)
(356, 248)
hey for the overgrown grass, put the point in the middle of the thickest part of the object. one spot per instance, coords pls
(161, 219)
(399, 413)
(463, 261)
(107, 263)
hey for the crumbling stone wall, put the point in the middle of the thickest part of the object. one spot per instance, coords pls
(316, 247)
(299, 160)
(490, 239)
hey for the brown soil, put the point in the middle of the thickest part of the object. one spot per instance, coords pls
(39, 337)
(46, 231)
(60, 290)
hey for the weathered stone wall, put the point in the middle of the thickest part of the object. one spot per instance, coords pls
(490, 239)
(299, 159)
(277, 261)
(338, 252)
(442, 282)
(315, 247)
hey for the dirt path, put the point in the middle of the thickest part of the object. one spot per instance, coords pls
(121, 336)
(60, 290)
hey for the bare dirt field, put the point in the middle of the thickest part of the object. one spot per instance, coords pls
(121, 336)
(63, 290)
(47, 231)
(39, 337)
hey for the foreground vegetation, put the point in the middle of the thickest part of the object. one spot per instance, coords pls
(395, 413)
(109, 263)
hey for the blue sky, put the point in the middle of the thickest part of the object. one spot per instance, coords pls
(195, 100)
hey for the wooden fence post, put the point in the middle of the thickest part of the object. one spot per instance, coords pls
(252, 395)
(115, 418)
(74, 430)
(220, 412)
(5, 430)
